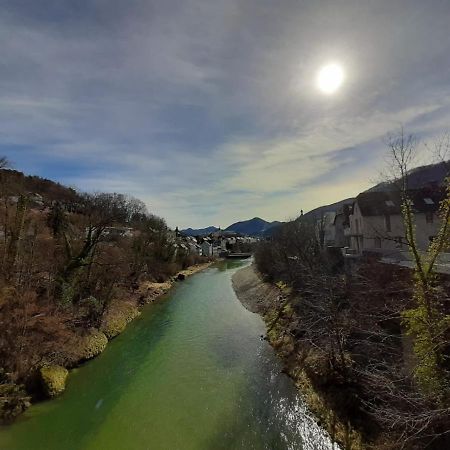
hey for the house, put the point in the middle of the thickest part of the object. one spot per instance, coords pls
(342, 226)
(193, 246)
(207, 248)
(325, 228)
(328, 228)
(115, 232)
(376, 223)
(36, 198)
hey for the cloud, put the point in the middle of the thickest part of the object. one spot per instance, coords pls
(207, 110)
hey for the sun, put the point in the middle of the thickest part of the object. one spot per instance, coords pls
(330, 78)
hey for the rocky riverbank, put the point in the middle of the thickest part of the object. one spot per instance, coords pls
(270, 301)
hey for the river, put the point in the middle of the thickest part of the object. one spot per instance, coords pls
(191, 373)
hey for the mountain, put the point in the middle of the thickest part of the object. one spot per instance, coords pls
(252, 227)
(318, 212)
(199, 231)
(418, 177)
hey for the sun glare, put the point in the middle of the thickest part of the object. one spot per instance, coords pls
(330, 78)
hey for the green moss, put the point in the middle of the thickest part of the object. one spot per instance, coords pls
(53, 379)
(93, 344)
(116, 320)
(113, 325)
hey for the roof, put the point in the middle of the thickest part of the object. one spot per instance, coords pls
(383, 203)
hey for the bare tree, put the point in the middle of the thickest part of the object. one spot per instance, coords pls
(426, 322)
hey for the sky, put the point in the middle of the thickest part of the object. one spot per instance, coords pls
(208, 110)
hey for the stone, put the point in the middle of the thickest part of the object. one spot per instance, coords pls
(117, 318)
(53, 379)
(93, 344)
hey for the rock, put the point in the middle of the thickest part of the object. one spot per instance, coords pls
(93, 344)
(113, 325)
(53, 379)
(117, 318)
(181, 277)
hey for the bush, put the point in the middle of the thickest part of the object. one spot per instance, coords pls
(13, 399)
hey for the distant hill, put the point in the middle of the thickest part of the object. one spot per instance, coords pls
(18, 182)
(199, 231)
(418, 177)
(252, 227)
(318, 212)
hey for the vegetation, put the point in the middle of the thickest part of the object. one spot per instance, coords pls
(428, 321)
(371, 339)
(71, 265)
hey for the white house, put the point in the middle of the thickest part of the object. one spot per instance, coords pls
(376, 223)
(207, 248)
(342, 226)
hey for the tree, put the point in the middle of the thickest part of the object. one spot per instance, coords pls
(98, 212)
(427, 322)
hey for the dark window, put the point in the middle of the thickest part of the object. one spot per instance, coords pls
(387, 222)
(429, 216)
(377, 242)
(399, 242)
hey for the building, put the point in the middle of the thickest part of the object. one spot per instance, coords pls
(342, 226)
(376, 222)
(207, 248)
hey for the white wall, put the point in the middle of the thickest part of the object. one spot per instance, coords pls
(370, 232)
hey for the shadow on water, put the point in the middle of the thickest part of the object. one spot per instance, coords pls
(230, 264)
(90, 397)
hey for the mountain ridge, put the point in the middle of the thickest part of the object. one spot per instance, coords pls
(252, 227)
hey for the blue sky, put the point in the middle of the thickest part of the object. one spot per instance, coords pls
(207, 109)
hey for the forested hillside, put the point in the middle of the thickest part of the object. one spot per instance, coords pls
(75, 267)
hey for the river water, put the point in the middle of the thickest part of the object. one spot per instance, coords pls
(191, 373)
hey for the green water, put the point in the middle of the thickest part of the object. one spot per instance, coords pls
(190, 373)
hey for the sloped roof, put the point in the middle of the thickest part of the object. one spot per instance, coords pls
(389, 202)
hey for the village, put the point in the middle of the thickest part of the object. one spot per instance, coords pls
(215, 245)
(372, 225)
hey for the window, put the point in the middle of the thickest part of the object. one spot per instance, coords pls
(429, 216)
(399, 242)
(428, 201)
(389, 203)
(387, 222)
(377, 242)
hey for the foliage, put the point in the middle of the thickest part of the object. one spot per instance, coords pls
(427, 322)
(13, 399)
(341, 327)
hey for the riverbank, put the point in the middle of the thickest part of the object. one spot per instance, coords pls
(50, 378)
(193, 357)
(271, 302)
(121, 312)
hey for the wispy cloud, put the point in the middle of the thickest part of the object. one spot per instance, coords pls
(207, 109)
